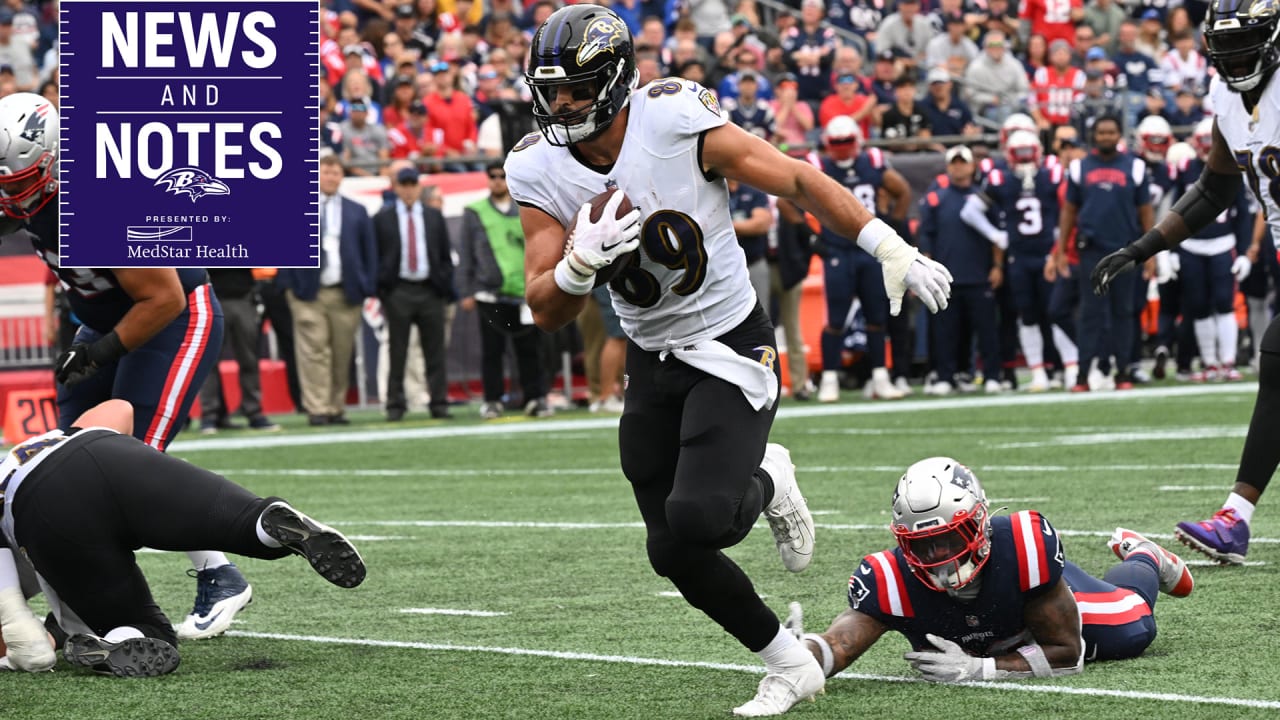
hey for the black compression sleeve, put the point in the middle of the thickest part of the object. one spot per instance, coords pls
(1204, 201)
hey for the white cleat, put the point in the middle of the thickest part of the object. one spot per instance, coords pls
(881, 387)
(1070, 376)
(780, 691)
(788, 513)
(1039, 381)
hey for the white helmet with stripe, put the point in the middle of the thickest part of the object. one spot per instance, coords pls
(942, 523)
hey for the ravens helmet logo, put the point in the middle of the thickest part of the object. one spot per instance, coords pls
(601, 35)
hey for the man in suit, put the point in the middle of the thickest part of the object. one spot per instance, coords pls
(415, 284)
(326, 302)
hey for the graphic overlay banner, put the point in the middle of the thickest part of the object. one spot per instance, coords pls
(190, 133)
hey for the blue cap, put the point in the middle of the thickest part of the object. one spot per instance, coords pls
(439, 66)
(1096, 53)
(846, 78)
(1151, 14)
(407, 175)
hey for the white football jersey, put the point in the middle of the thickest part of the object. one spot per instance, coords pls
(16, 466)
(1254, 139)
(692, 282)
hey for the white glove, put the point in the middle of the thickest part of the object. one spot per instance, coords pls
(950, 664)
(928, 279)
(1175, 264)
(600, 243)
(795, 620)
(1164, 267)
(1241, 268)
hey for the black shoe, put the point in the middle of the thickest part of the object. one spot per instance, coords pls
(441, 413)
(328, 551)
(263, 423)
(1162, 360)
(135, 657)
(339, 419)
(395, 414)
(317, 420)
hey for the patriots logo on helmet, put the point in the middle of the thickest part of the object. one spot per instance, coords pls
(33, 131)
(194, 182)
(600, 36)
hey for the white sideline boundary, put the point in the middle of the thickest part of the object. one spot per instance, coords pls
(754, 669)
(839, 409)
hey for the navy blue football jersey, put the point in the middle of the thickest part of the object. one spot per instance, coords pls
(863, 178)
(1026, 561)
(1235, 220)
(1030, 212)
(94, 293)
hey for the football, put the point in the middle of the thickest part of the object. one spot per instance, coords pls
(610, 271)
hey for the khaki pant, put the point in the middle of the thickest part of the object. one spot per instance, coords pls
(325, 336)
(789, 319)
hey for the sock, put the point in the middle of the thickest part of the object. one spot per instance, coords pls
(1207, 339)
(1228, 338)
(207, 559)
(122, 633)
(263, 537)
(1032, 345)
(1243, 508)
(784, 651)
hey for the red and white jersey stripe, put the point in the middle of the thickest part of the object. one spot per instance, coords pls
(1028, 539)
(891, 584)
(1117, 607)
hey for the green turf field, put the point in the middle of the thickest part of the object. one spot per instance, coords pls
(529, 527)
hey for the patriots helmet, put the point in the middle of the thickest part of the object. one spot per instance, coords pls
(1154, 138)
(587, 51)
(1202, 137)
(1240, 39)
(1014, 123)
(28, 153)
(942, 523)
(1023, 149)
(842, 138)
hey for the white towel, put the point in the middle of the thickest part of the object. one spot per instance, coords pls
(757, 381)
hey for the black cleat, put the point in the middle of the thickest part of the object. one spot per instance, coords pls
(134, 657)
(328, 551)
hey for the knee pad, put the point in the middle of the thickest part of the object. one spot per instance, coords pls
(709, 521)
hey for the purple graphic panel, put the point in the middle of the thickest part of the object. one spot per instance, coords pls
(190, 133)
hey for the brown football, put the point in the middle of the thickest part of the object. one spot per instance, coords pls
(610, 271)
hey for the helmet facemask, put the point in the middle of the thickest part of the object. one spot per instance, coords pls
(1243, 54)
(605, 88)
(942, 524)
(29, 130)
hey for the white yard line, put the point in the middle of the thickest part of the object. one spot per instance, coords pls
(839, 409)
(448, 611)
(1194, 488)
(1102, 438)
(756, 670)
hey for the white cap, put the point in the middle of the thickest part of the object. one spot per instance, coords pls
(938, 74)
(959, 151)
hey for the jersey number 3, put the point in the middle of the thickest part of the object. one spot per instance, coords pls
(673, 240)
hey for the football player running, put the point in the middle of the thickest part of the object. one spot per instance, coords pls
(702, 376)
(992, 598)
(149, 335)
(1241, 39)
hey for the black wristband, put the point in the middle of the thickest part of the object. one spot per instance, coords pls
(107, 349)
(1145, 247)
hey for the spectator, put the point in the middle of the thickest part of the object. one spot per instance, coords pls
(745, 62)
(809, 48)
(489, 92)
(995, 82)
(1105, 17)
(708, 16)
(952, 49)
(275, 310)
(848, 101)
(415, 284)
(330, 126)
(883, 75)
(794, 119)
(999, 17)
(693, 70)
(325, 303)
(750, 112)
(451, 119)
(948, 115)
(1058, 88)
(906, 118)
(1053, 19)
(975, 263)
(355, 86)
(1037, 55)
(788, 267)
(1086, 40)
(1099, 100)
(364, 145)
(17, 53)
(1151, 35)
(860, 17)
(402, 94)
(1186, 112)
(906, 32)
(1183, 66)
(235, 287)
(1137, 73)
(431, 24)
(491, 282)
(648, 68)
(410, 140)
(725, 57)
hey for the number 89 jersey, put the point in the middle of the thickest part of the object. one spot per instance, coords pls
(691, 283)
(1254, 140)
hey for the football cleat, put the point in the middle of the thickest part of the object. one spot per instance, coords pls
(1039, 381)
(221, 592)
(788, 513)
(829, 387)
(881, 387)
(1223, 537)
(134, 657)
(781, 690)
(1175, 577)
(328, 551)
